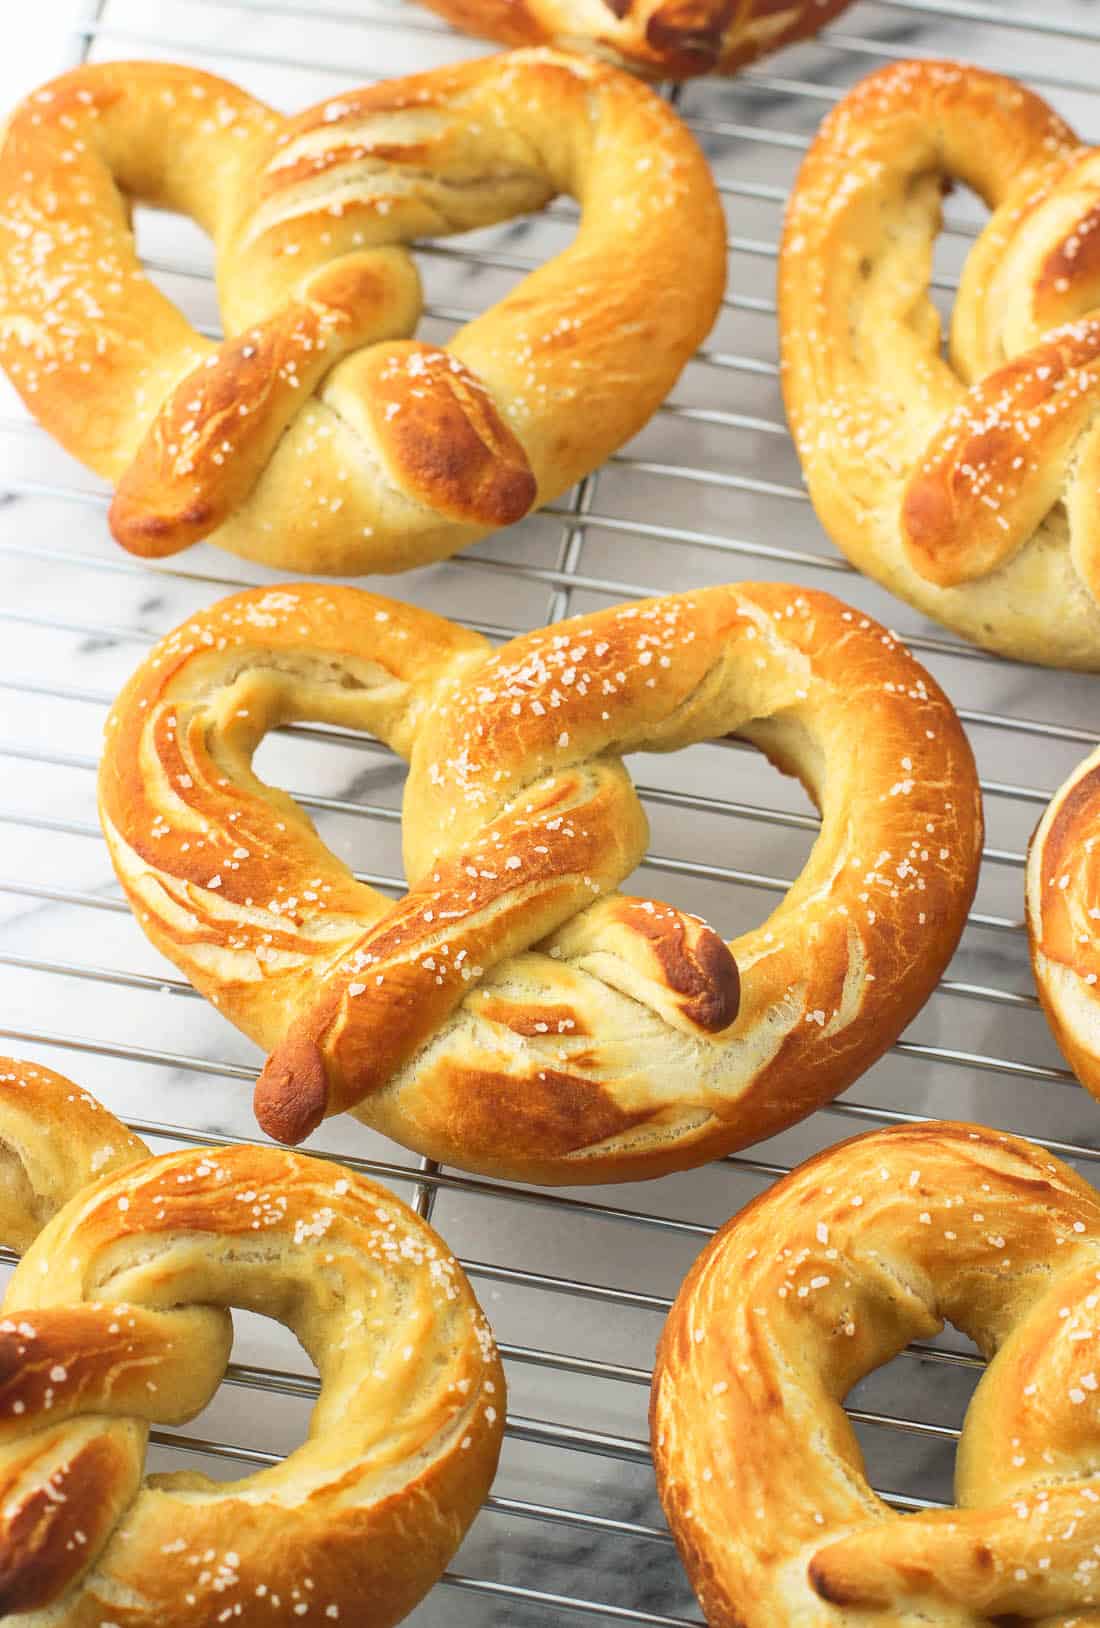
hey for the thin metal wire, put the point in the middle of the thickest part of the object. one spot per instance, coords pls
(565, 577)
(1031, 22)
(359, 808)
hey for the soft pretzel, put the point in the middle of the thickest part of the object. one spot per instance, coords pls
(1063, 912)
(827, 1276)
(117, 1318)
(515, 1013)
(318, 436)
(668, 39)
(968, 487)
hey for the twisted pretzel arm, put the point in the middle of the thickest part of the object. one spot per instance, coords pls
(1028, 1478)
(54, 1139)
(77, 1472)
(220, 867)
(819, 985)
(403, 1440)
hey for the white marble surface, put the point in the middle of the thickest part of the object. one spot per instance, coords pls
(76, 615)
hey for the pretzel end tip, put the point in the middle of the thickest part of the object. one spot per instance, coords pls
(830, 1583)
(292, 1093)
(151, 534)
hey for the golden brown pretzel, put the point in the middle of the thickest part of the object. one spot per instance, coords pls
(1063, 912)
(823, 1278)
(317, 436)
(117, 1318)
(668, 39)
(515, 1013)
(967, 486)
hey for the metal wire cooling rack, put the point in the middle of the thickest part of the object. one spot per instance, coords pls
(576, 1283)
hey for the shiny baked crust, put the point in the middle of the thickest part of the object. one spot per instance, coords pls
(516, 1013)
(666, 39)
(117, 1318)
(827, 1276)
(318, 437)
(967, 486)
(1063, 910)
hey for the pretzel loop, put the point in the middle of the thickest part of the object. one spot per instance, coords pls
(967, 486)
(317, 435)
(821, 1280)
(117, 1317)
(515, 1011)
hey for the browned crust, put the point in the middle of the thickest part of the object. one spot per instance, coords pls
(1063, 867)
(992, 471)
(689, 35)
(291, 1094)
(1075, 260)
(696, 965)
(529, 1120)
(959, 488)
(443, 438)
(519, 816)
(388, 996)
(79, 1501)
(972, 1225)
(38, 1558)
(1075, 822)
(211, 441)
(279, 444)
(532, 1020)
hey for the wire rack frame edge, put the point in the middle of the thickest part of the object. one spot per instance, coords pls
(710, 492)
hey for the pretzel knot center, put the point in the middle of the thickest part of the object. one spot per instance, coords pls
(514, 1009)
(1023, 438)
(317, 433)
(66, 1476)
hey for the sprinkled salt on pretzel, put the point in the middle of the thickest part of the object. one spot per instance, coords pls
(827, 1276)
(318, 436)
(667, 39)
(514, 1012)
(967, 485)
(117, 1318)
(1063, 915)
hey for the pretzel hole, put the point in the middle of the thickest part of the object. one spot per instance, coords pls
(177, 256)
(262, 1407)
(767, 830)
(964, 220)
(293, 1327)
(901, 1461)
